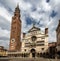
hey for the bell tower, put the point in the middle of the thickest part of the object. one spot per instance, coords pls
(15, 35)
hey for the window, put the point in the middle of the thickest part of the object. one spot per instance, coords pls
(33, 38)
(25, 50)
(18, 36)
(15, 14)
(42, 38)
(42, 48)
(27, 45)
(13, 31)
(40, 44)
(40, 41)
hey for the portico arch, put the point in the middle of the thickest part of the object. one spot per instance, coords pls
(33, 51)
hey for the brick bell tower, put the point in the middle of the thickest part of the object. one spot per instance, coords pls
(15, 35)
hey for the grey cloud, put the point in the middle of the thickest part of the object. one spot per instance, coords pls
(4, 38)
(34, 2)
(10, 6)
(4, 24)
(4, 43)
(8, 3)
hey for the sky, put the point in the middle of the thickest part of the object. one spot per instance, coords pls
(44, 13)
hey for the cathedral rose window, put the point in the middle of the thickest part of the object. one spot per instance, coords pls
(33, 38)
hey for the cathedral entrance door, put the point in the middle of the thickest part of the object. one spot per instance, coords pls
(33, 52)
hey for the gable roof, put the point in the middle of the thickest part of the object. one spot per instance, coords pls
(34, 29)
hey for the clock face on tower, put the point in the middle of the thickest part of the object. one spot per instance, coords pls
(12, 40)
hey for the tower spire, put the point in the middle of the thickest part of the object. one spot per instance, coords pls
(17, 8)
(17, 11)
(17, 5)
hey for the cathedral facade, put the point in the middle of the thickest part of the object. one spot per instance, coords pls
(35, 41)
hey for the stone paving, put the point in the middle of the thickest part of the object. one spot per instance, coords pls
(27, 59)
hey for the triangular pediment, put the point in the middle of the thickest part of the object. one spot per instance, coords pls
(34, 29)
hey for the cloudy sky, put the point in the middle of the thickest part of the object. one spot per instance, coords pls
(44, 13)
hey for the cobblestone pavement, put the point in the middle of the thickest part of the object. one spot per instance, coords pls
(27, 59)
